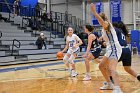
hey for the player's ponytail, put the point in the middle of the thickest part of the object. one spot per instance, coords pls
(122, 26)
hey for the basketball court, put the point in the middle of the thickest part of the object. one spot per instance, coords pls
(35, 33)
(52, 77)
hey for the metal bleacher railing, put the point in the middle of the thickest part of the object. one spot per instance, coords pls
(0, 34)
(13, 44)
(60, 20)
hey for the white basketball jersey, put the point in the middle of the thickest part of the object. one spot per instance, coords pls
(72, 40)
(112, 42)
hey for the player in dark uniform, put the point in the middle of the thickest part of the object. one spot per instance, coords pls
(122, 33)
(93, 50)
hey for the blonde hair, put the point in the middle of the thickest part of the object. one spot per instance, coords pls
(103, 16)
(66, 34)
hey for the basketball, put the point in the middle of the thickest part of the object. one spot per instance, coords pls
(60, 55)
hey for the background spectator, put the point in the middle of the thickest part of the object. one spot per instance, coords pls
(16, 8)
(134, 48)
(37, 9)
(41, 41)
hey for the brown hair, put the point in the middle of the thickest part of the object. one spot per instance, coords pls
(90, 28)
(103, 16)
(123, 27)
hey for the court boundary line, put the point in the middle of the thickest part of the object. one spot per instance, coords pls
(30, 66)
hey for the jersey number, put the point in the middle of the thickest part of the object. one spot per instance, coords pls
(71, 44)
(123, 36)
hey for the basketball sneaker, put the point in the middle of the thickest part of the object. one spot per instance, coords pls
(107, 86)
(87, 77)
(117, 89)
(138, 77)
(74, 73)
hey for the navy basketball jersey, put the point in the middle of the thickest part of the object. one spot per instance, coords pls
(121, 37)
(95, 42)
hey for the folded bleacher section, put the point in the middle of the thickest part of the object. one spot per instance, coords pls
(17, 40)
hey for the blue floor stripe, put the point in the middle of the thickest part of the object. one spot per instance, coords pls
(32, 66)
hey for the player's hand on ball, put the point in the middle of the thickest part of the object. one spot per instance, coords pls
(61, 51)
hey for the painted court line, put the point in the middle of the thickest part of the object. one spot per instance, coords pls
(32, 66)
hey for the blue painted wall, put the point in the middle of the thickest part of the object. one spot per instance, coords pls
(135, 36)
(4, 7)
(29, 2)
(9, 1)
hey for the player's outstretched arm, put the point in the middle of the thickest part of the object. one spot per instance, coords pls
(100, 20)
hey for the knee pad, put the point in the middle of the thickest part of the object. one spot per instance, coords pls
(71, 59)
(65, 59)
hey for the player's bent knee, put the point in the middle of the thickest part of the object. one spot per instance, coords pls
(65, 59)
(71, 61)
(102, 66)
(127, 69)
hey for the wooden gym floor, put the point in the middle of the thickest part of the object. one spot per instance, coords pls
(51, 77)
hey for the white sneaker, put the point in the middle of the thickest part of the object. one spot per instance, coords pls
(107, 86)
(117, 89)
(87, 77)
(73, 73)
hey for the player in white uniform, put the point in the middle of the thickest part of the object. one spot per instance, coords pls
(113, 52)
(72, 44)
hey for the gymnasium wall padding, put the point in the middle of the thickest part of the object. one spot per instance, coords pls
(5, 8)
(135, 36)
(32, 3)
(28, 3)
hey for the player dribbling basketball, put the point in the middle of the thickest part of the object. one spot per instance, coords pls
(72, 44)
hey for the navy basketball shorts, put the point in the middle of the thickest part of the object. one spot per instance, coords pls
(126, 57)
(96, 52)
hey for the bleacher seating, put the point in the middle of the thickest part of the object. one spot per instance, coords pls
(28, 50)
(16, 28)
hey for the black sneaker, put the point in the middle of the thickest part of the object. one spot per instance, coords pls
(138, 77)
